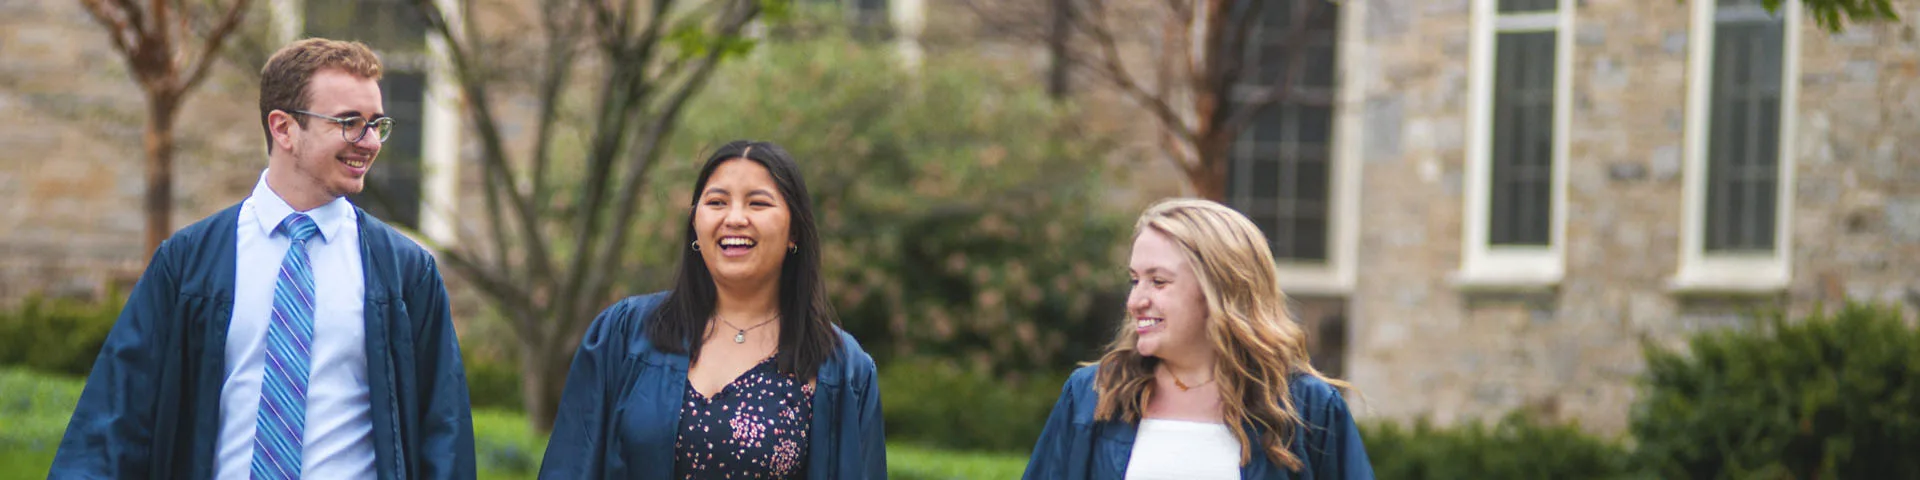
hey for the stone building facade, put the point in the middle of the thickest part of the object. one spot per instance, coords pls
(1528, 190)
(1512, 195)
(1439, 333)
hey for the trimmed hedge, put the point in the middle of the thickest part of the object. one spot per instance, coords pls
(59, 335)
(1516, 447)
(942, 404)
(1830, 396)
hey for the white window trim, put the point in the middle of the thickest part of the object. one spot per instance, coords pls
(909, 18)
(1734, 273)
(1335, 276)
(440, 113)
(1484, 266)
(440, 140)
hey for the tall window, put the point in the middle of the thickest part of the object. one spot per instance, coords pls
(394, 29)
(1516, 158)
(1522, 136)
(1281, 165)
(1739, 169)
(1743, 128)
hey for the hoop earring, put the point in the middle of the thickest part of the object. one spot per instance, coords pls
(793, 249)
(695, 244)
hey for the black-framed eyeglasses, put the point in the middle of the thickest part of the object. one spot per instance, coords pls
(352, 129)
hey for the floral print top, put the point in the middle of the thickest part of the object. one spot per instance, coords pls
(755, 427)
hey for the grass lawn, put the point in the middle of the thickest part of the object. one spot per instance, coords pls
(908, 462)
(34, 408)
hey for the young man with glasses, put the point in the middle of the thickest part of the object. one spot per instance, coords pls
(292, 335)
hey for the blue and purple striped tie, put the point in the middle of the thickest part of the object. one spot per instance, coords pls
(283, 387)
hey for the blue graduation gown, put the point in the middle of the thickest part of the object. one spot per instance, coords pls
(151, 407)
(1076, 447)
(620, 411)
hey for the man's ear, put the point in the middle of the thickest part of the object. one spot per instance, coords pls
(280, 125)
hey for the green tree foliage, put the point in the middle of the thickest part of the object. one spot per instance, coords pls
(1833, 15)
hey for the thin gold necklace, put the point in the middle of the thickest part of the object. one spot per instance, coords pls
(741, 336)
(1183, 385)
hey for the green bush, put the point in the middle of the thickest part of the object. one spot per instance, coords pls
(58, 335)
(492, 382)
(1830, 396)
(1516, 447)
(504, 446)
(939, 403)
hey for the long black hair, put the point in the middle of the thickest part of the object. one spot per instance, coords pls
(807, 336)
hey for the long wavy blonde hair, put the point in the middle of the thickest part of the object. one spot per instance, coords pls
(1257, 345)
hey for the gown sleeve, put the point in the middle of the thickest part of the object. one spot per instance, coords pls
(581, 446)
(1335, 450)
(111, 433)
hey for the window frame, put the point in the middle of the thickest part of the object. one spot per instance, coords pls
(1335, 276)
(1734, 272)
(1513, 267)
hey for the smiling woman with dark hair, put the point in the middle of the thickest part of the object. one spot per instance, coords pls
(739, 371)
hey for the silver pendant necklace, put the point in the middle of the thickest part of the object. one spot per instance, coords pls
(740, 335)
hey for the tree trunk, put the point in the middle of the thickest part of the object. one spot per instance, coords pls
(1057, 37)
(158, 141)
(1208, 174)
(1210, 185)
(543, 375)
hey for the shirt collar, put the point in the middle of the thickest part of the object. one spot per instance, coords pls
(269, 209)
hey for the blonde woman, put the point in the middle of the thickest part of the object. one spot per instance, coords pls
(1210, 377)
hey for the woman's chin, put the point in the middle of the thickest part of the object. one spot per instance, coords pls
(1146, 347)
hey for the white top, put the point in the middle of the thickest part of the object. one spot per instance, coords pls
(1183, 450)
(338, 442)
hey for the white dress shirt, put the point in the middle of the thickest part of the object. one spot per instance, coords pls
(1182, 450)
(338, 442)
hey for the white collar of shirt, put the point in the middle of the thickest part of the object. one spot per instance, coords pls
(269, 210)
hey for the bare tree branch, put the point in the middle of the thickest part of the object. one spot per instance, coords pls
(136, 18)
(158, 31)
(502, 291)
(604, 23)
(626, 91)
(656, 136)
(1115, 72)
(117, 27)
(557, 21)
(1010, 19)
(494, 154)
(1184, 8)
(1231, 64)
(1295, 47)
(213, 42)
